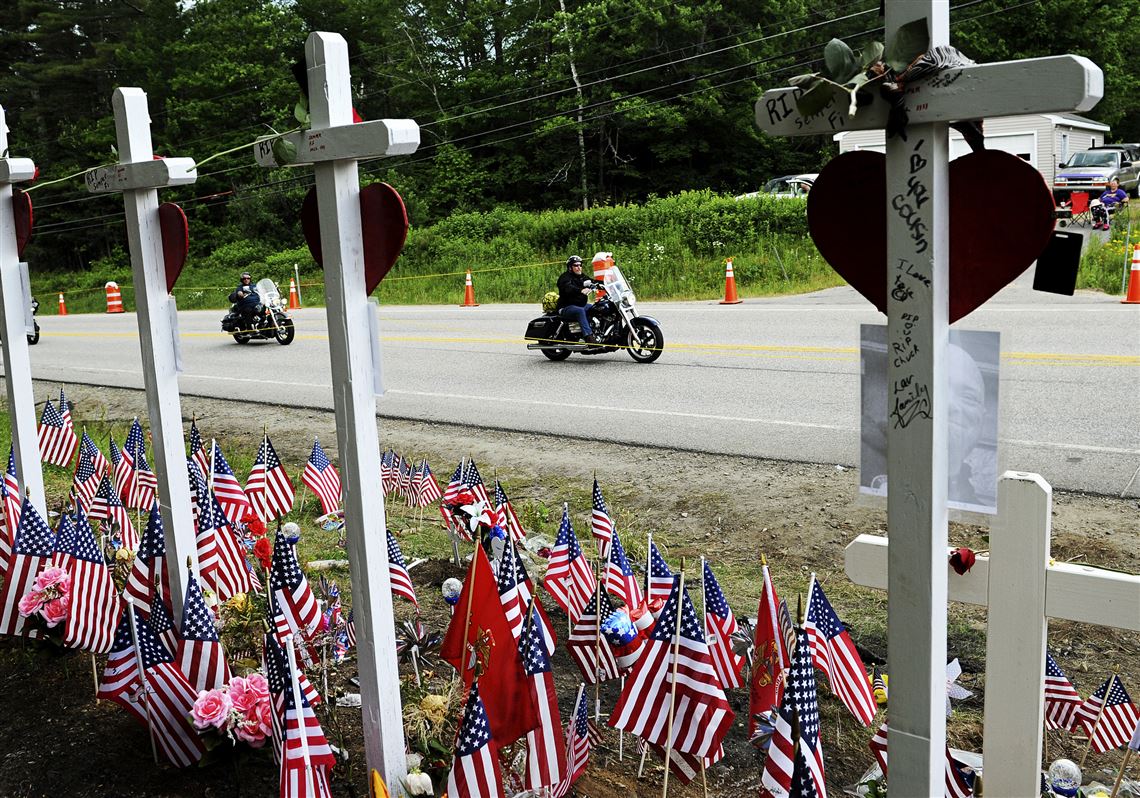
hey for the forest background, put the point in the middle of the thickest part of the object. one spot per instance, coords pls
(524, 106)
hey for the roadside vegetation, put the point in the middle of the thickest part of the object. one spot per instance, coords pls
(1105, 264)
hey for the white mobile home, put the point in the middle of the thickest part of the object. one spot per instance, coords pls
(1045, 140)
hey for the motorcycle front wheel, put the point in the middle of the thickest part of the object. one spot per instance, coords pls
(285, 331)
(649, 342)
(34, 338)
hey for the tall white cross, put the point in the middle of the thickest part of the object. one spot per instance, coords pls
(138, 175)
(13, 311)
(333, 145)
(1021, 588)
(917, 323)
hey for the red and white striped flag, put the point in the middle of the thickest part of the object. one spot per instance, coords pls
(160, 697)
(660, 578)
(200, 653)
(1108, 716)
(427, 491)
(721, 625)
(90, 624)
(221, 557)
(620, 578)
(568, 579)
(587, 646)
(956, 783)
(505, 515)
(228, 490)
(601, 525)
(65, 410)
(143, 483)
(834, 653)
(516, 594)
(150, 563)
(9, 511)
(197, 449)
(701, 713)
(475, 769)
(321, 477)
(580, 738)
(306, 757)
(31, 550)
(1061, 699)
(291, 590)
(85, 482)
(546, 749)
(56, 438)
(269, 488)
(398, 572)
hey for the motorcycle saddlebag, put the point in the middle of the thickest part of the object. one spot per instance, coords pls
(544, 327)
(230, 322)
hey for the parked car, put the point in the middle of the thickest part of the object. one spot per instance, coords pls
(787, 186)
(1092, 169)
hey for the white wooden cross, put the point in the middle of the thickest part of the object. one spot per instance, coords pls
(1022, 588)
(138, 175)
(917, 323)
(13, 311)
(333, 145)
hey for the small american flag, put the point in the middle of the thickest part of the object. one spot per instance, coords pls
(588, 648)
(620, 578)
(1117, 716)
(88, 446)
(350, 628)
(303, 740)
(221, 557)
(10, 511)
(427, 490)
(162, 624)
(200, 653)
(546, 749)
(107, 508)
(273, 660)
(87, 476)
(722, 624)
(321, 477)
(56, 439)
(228, 490)
(580, 737)
(269, 488)
(197, 449)
(65, 410)
(600, 524)
(387, 471)
(568, 579)
(94, 599)
(161, 693)
(660, 577)
(956, 784)
(294, 598)
(144, 484)
(450, 494)
(474, 482)
(475, 770)
(802, 694)
(31, 550)
(505, 515)
(835, 655)
(150, 562)
(398, 572)
(406, 478)
(1061, 699)
(516, 594)
(779, 767)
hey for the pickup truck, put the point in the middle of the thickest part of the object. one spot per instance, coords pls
(1091, 170)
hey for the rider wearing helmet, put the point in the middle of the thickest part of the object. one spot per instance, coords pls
(573, 289)
(245, 298)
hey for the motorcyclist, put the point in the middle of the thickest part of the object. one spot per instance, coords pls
(245, 299)
(573, 290)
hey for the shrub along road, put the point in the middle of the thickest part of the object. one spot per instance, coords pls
(776, 378)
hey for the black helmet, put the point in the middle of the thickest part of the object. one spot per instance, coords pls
(246, 276)
(573, 261)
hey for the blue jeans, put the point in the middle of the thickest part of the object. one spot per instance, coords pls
(578, 313)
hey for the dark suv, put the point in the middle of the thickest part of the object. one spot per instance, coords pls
(1091, 170)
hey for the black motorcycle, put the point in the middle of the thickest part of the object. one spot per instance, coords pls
(614, 320)
(268, 320)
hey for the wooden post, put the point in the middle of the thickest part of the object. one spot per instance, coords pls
(138, 175)
(14, 308)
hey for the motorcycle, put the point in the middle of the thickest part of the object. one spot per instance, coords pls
(268, 320)
(614, 320)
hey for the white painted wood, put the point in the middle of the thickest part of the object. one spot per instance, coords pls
(361, 140)
(1034, 85)
(156, 332)
(13, 309)
(144, 174)
(1016, 633)
(354, 379)
(1074, 592)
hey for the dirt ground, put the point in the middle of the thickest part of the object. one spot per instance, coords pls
(57, 740)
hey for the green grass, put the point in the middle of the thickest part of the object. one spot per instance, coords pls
(1105, 264)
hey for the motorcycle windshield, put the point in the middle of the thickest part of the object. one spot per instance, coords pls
(267, 291)
(617, 289)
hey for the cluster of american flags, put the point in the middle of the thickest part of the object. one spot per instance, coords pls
(413, 482)
(1108, 717)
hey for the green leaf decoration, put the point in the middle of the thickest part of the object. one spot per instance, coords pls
(871, 54)
(805, 82)
(301, 112)
(840, 61)
(818, 97)
(284, 152)
(911, 40)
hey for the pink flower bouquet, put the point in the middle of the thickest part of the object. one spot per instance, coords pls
(49, 598)
(241, 710)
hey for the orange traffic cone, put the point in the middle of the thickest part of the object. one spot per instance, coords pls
(730, 297)
(114, 298)
(62, 305)
(294, 300)
(469, 294)
(1133, 295)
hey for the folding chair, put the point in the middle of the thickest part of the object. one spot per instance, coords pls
(1082, 215)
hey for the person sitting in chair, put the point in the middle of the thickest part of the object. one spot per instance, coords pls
(1113, 197)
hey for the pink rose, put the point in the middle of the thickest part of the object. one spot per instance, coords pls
(265, 718)
(251, 732)
(257, 684)
(240, 697)
(52, 577)
(56, 610)
(30, 604)
(212, 708)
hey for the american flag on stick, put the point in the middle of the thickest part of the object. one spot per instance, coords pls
(200, 653)
(291, 591)
(568, 579)
(198, 449)
(9, 511)
(150, 562)
(516, 593)
(1108, 716)
(505, 515)
(321, 477)
(398, 572)
(269, 488)
(31, 550)
(450, 494)
(956, 784)
(87, 473)
(722, 626)
(121, 473)
(108, 509)
(795, 763)
(427, 491)
(546, 748)
(306, 757)
(475, 770)
(580, 738)
(601, 525)
(835, 655)
(1061, 699)
(158, 697)
(65, 410)
(143, 485)
(587, 646)
(660, 577)
(56, 438)
(228, 490)
(221, 557)
(387, 461)
(620, 578)
(675, 670)
(474, 482)
(95, 601)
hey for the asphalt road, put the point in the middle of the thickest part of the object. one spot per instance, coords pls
(776, 378)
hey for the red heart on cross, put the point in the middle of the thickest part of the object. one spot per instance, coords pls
(1001, 220)
(22, 217)
(384, 227)
(175, 241)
